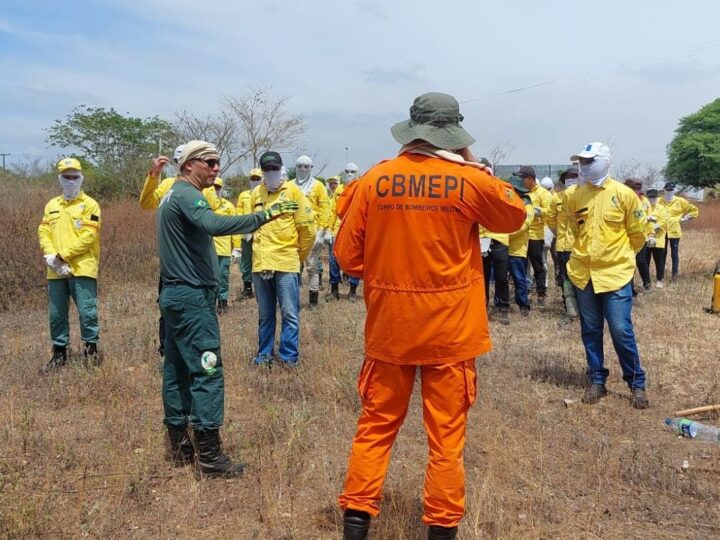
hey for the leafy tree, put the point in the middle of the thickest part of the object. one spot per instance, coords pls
(118, 148)
(694, 153)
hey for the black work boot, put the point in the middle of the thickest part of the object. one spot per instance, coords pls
(212, 462)
(58, 360)
(503, 317)
(90, 355)
(436, 532)
(313, 298)
(352, 295)
(247, 290)
(222, 306)
(356, 524)
(182, 451)
(334, 292)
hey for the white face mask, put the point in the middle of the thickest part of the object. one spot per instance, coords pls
(273, 180)
(71, 188)
(570, 182)
(596, 172)
(669, 196)
(653, 201)
(301, 175)
(254, 183)
(350, 176)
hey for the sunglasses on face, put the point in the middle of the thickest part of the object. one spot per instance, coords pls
(71, 176)
(272, 168)
(586, 161)
(211, 163)
(349, 171)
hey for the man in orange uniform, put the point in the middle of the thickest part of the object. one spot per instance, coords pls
(411, 232)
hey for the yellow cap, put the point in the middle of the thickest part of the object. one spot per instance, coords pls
(69, 163)
(218, 182)
(333, 179)
(256, 172)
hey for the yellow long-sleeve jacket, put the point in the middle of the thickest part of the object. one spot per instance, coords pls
(502, 238)
(518, 246)
(542, 199)
(318, 197)
(676, 209)
(225, 244)
(658, 228)
(282, 244)
(552, 217)
(334, 221)
(608, 223)
(243, 205)
(565, 238)
(152, 193)
(72, 229)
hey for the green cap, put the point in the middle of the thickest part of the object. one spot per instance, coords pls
(518, 184)
(435, 118)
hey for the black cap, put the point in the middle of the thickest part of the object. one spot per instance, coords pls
(670, 186)
(525, 170)
(652, 193)
(270, 159)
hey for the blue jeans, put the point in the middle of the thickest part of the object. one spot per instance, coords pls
(615, 307)
(518, 271)
(675, 255)
(283, 289)
(335, 272)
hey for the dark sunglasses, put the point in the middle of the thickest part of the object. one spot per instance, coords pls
(586, 161)
(211, 163)
(71, 176)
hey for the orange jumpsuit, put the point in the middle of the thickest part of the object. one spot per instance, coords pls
(410, 230)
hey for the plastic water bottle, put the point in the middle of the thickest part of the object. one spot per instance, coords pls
(693, 430)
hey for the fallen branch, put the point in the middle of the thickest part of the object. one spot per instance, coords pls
(698, 410)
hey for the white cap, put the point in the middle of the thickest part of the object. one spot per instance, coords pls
(178, 152)
(304, 160)
(547, 183)
(592, 150)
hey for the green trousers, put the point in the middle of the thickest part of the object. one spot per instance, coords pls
(246, 261)
(83, 291)
(193, 383)
(224, 285)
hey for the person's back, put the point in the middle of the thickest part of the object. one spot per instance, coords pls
(422, 264)
(410, 231)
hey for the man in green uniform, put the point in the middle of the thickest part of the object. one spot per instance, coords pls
(193, 384)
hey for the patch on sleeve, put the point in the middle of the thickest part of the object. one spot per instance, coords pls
(200, 203)
(638, 214)
(93, 217)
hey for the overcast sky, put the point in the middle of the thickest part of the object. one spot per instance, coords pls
(618, 70)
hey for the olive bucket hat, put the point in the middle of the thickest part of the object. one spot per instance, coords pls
(435, 118)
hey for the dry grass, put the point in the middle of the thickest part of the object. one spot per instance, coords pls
(81, 453)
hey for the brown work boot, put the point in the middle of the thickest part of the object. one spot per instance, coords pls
(503, 317)
(638, 399)
(594, 393)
